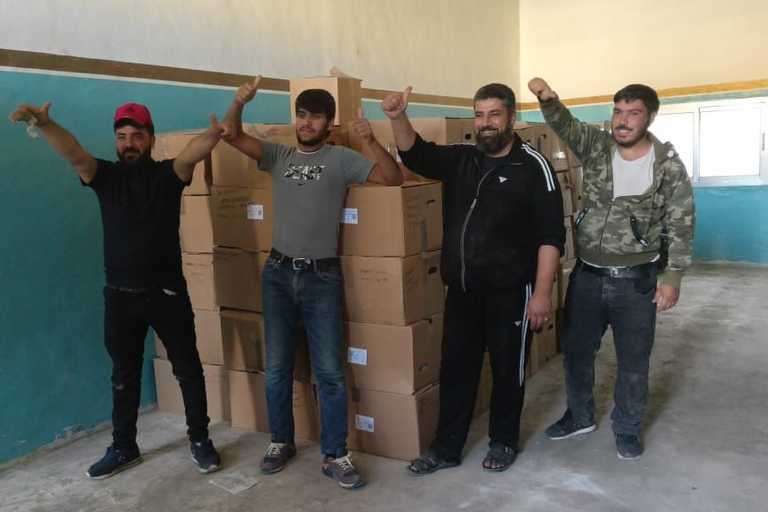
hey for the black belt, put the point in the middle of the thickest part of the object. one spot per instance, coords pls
(316, 265)
(634, 272)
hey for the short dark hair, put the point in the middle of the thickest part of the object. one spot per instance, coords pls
(639, 92)
(317, 101)
(498, 91)
(128, 122)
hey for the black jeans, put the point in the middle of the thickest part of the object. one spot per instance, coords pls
(127, 315)
(593, 302)
(474, 321)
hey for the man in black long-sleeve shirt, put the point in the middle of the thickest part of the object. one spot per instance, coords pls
(503, 237)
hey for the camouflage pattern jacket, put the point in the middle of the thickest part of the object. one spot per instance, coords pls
(604, 234)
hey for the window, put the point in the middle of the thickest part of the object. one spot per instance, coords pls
(720, 143)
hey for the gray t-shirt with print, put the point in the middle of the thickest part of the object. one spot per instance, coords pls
(308, 194)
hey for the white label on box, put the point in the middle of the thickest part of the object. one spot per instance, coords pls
(358, 356)
(350, 216)
(558, 155)
(255, 211)
(364, 423)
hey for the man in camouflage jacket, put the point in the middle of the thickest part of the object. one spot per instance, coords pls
(637, 215)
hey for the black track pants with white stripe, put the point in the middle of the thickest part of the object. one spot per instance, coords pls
(495, 320)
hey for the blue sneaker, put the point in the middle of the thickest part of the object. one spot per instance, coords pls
(114, 461)
(205, 456)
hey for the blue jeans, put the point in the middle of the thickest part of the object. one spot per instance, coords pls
(593, 302)
(290, 296)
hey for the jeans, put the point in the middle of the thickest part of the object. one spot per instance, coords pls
(127, 316)
(290, 296)
(593, 302)
(495, 320)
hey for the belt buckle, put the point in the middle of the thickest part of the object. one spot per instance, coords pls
(301, 263)
(614, 271)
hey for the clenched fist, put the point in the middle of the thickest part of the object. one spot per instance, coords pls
(395, 104)
(247, 91)
(541, 89)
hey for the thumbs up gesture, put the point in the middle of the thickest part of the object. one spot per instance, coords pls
(395, 104)
(247, 91)
(362, 128)
(32, 115)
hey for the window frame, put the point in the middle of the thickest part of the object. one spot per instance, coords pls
(696, 108)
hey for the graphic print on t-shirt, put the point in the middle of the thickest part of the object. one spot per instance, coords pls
(304, 173)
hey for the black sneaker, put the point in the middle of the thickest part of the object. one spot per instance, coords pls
(277, 456)
(628, 446)
(343, 471)
(566, 427)
(114, 461)
(205, 456)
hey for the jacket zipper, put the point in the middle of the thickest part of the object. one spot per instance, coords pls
(466, 223)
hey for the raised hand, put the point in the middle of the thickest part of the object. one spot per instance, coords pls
(247, 91)
(395, 104)
(218, 129)
(361, 127)
(541, 89)
(31, 114)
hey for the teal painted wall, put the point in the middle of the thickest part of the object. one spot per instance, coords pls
(54, 375)
(731, 222)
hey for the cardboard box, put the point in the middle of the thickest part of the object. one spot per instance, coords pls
(543, 345)
(392, 221)
(570, 249)
(216, 390)
(345, 90)
(566, 189)
(392, 291)
(169, 145)
(391, 424)
(564, 279)
(232, 168)
(440, 130)
(196, 224)
(393, 358)
(225, 278)
(209, 341)
(249, 405)
(242, 218)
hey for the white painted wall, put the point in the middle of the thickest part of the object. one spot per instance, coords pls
(595, 47)
(446, 47)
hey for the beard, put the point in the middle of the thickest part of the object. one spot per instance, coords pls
(133, 157)
(314, 141)
(641, 134)
(492, 143)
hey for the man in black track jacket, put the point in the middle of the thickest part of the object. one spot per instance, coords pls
(503, 235)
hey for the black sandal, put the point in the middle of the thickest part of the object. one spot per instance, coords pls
(429, 463)
(500, 457)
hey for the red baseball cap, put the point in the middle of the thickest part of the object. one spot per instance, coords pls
(135, 112)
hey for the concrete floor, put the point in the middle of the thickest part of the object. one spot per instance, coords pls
(706, 440)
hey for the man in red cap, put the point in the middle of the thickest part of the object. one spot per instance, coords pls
(140, 200)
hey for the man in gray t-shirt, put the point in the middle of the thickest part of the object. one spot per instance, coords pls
(302, 278)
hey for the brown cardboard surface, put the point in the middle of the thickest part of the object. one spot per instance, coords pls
(392, 291)
(169, 145)
(226, 277)
(391, 424)
(570, 249)
(249, 405)
(242, 218)
(232, 168)
(396, 359)
(209, 339)
(392, 221)
(196, 224)
(169, 393)
(345, 90)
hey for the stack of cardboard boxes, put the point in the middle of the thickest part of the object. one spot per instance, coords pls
(569, 176)
(390, 241)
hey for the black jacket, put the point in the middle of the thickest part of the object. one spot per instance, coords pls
(495, 221)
